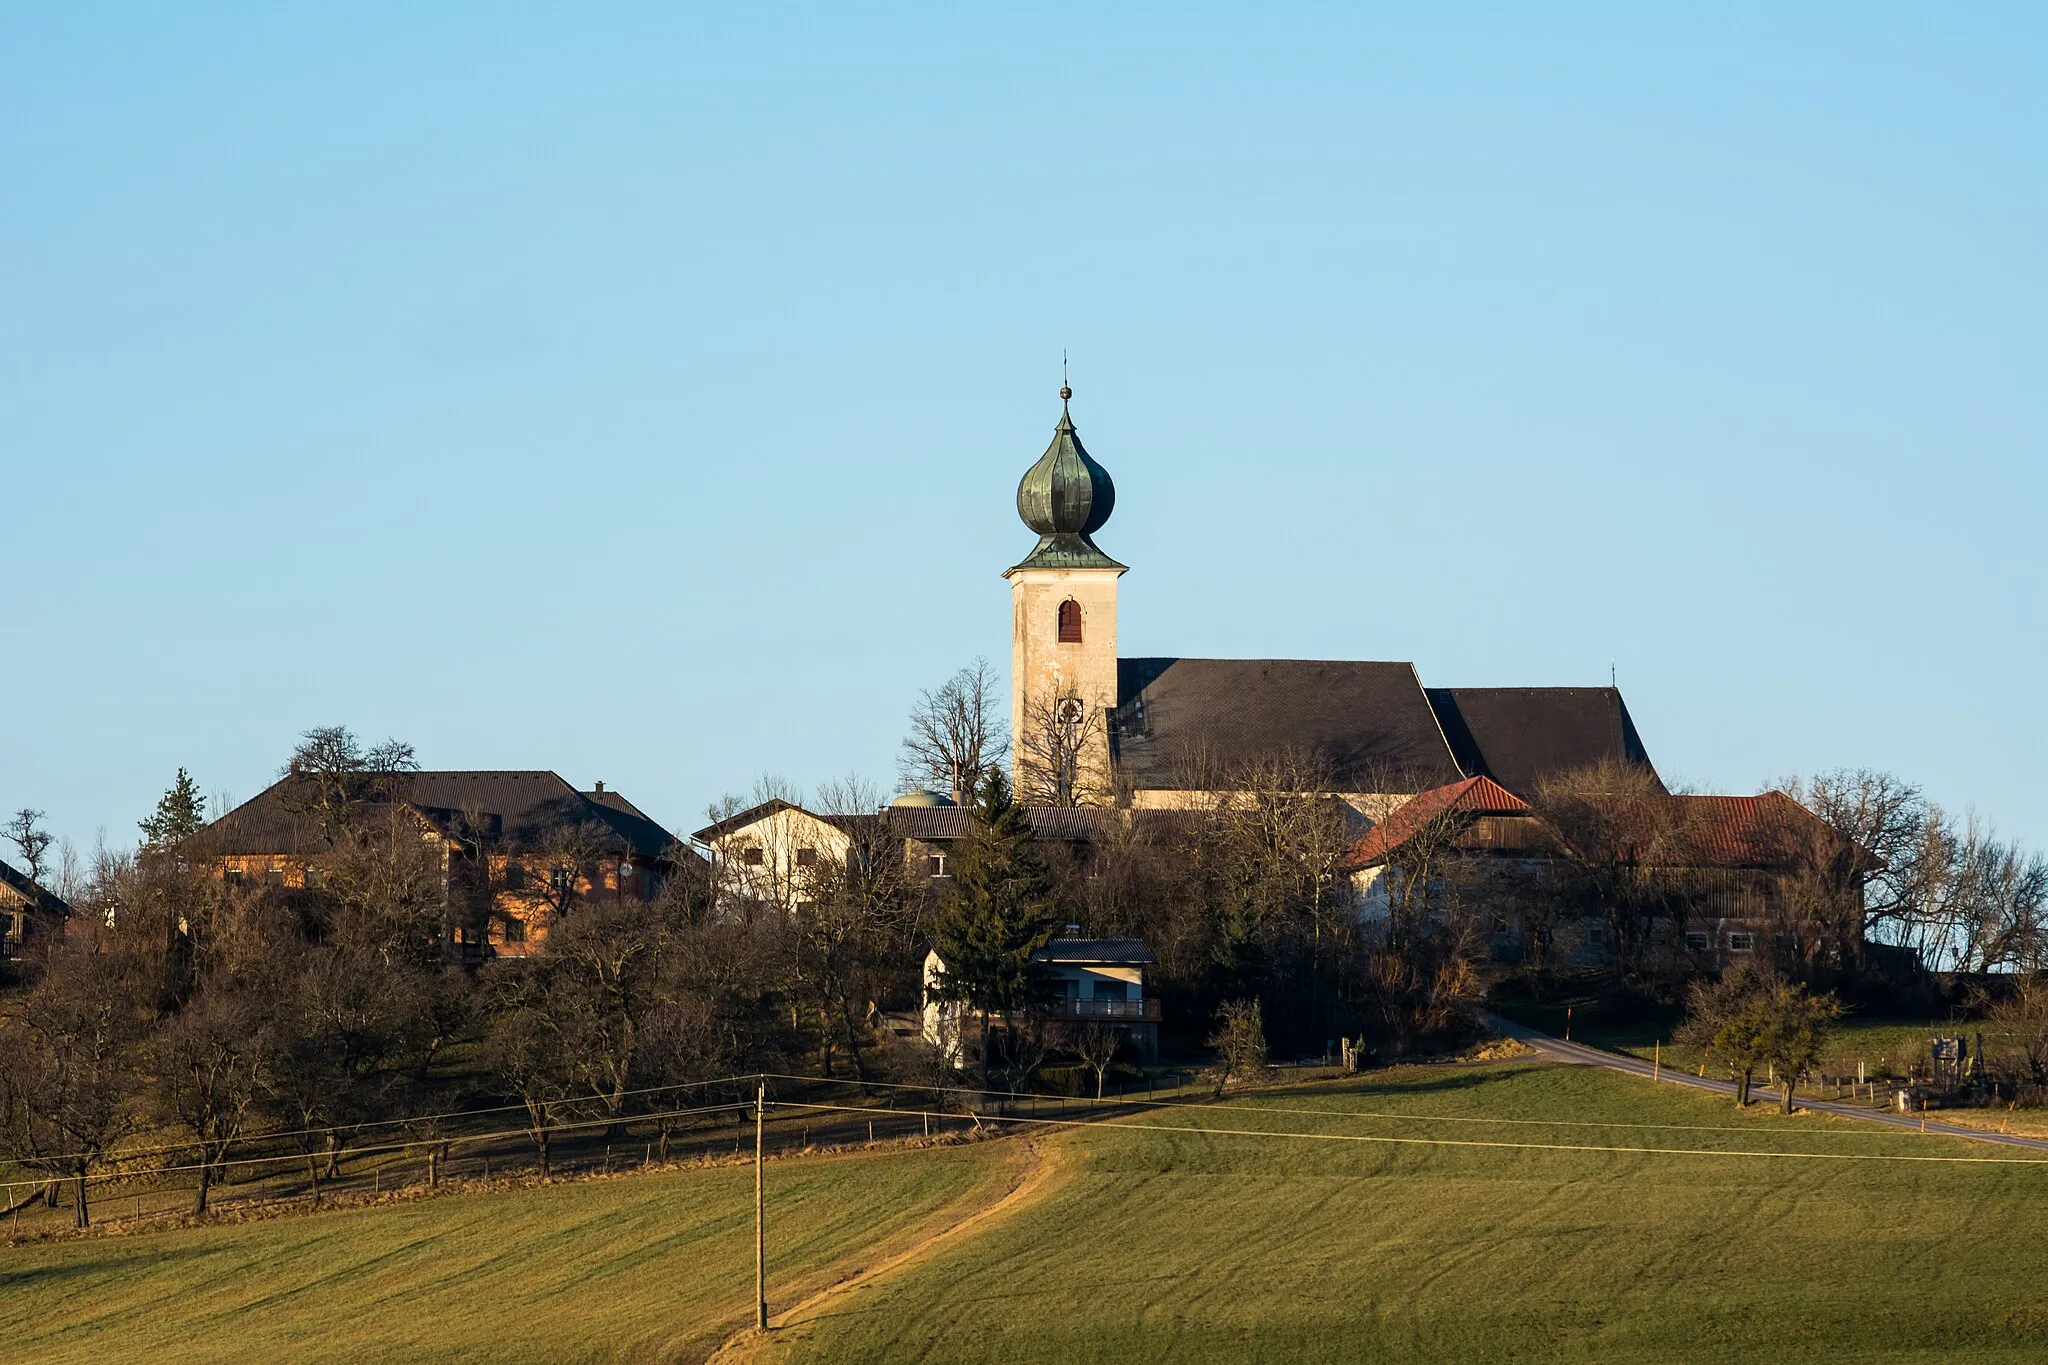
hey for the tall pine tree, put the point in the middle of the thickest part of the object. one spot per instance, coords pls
(180, 814)
(996, 914)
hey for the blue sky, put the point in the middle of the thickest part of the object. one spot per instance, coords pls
(641, 393)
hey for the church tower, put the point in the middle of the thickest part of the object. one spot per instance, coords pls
(1063, 629)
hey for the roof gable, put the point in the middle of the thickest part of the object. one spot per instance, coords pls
(1474, 797)
(31, 893)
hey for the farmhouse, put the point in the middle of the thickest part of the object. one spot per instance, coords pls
(1756, 872)
(513, 851)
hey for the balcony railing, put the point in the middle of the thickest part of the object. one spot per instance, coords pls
(1103, 1009)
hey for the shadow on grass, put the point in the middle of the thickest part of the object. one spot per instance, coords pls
(125, 1262)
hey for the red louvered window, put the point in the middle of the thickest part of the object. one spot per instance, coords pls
(1070, 622)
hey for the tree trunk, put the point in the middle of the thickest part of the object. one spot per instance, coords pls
(860, 1069)
(313, 1175)
(1098, 1084)
(1788, 1092)
(1742, 1089)
(334, 1156)
(542, 1139)
(205, 1186)
(79, 1216)
(984, 1050)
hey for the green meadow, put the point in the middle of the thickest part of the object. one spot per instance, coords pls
(1165, 1246)
(1477, 1212)
(644, 1267)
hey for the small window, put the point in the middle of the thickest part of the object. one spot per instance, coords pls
(273, 876)
(562, 879)
(753, 855)
(936, 865)
(1696, 941)
(1070, 622)
(234, 876)
(515, 876)
(515, 930)
(313, 877)
(807, 857)
(1741, 943)
(1596, 933)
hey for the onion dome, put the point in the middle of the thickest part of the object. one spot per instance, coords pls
(1066, 497)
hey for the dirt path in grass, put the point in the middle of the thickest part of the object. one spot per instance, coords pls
(1039, 1169)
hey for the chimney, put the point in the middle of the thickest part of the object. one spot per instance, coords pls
(600, 789)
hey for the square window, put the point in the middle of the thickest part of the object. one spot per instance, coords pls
(807, 857)
(1741, 943)
(1697, 941)
(515, 876)
(515, 930)
(753, 855)
(936, 865)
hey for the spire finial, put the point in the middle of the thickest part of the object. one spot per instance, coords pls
(1065, 391)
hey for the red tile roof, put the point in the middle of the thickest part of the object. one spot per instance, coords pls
(1474, 796)
(1771, 830)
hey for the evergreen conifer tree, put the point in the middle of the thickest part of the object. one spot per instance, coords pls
(996, 914)
(181, 813)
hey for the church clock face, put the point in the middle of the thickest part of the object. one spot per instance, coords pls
(1070, 711)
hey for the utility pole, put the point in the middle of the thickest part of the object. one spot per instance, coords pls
(760, 1227)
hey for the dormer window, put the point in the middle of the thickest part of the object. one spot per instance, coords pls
(1070, 622)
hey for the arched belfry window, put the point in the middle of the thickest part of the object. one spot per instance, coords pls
(1070, 622)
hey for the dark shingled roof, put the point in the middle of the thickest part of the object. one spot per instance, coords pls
(1053, 823)
(1370, 723)
(1520, 735)
(525, 809)
(1105, 951)
(36, 897)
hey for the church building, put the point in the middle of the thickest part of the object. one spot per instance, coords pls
(1090, 727)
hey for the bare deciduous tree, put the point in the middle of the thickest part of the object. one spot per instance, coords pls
(24, 829)
(1240, 1043)
(956, 734)
(65, 1092)
(208, 1064)
(1061, 754)
(1096, 1044)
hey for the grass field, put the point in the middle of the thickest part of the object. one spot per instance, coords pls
(1883, 1045)
(1174, 1246)
(1140, 1243)
(655, 1266)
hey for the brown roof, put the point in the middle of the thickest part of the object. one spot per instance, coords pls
(523, 811)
